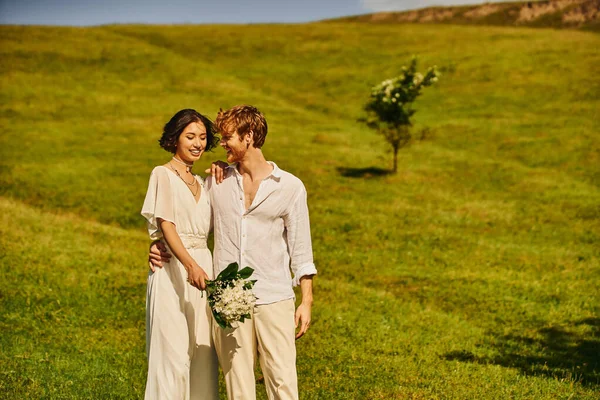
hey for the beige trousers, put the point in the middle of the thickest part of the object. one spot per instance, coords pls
(270, 334)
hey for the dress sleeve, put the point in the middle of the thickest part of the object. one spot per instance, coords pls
(158, 202)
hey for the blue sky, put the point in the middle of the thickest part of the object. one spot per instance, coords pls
(97, 12)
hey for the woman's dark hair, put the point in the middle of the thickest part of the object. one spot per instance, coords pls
(177, 124)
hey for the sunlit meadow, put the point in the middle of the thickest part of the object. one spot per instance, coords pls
(472, 273)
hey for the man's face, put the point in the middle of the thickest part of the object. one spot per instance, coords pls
(234, 146)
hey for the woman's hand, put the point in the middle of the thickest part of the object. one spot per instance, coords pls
(217, 170)
(197, 277)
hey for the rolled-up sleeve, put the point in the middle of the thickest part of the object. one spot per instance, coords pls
(297, 225)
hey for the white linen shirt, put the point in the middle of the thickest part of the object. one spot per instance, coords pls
(272, 236)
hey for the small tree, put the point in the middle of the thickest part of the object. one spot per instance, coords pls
(389, 109)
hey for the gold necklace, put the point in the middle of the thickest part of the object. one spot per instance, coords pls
(191, 185)
(194, 194)
(188, 167)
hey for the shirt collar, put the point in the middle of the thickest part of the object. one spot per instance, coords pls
(276, 173)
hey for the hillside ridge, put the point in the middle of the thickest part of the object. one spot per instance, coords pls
(571, 14)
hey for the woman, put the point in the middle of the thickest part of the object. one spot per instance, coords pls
(182, 363)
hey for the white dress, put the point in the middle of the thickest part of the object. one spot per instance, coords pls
(182, 363)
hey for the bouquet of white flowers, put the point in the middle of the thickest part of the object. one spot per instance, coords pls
(230, 295)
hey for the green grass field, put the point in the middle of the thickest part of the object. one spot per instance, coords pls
(474, 273)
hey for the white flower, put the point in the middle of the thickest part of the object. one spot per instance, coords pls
(233, 302)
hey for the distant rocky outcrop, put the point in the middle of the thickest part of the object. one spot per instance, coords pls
(577, 14)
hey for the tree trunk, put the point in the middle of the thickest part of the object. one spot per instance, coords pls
(395, 170)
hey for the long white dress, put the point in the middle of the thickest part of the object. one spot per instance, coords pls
(182, 362)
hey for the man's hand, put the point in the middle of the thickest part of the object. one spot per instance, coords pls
(158, 254)
(303, 318)
(304, 309)
(217, 170)
(197, 277)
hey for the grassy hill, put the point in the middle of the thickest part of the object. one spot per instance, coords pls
(472, 273)
(573, 14)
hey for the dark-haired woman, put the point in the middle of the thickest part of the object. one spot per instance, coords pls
(182, 363)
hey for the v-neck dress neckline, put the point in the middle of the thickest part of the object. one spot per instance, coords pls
(196, 177)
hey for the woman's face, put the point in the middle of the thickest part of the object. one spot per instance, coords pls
(191, 142)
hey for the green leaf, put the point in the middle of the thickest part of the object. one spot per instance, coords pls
(210, 287)
(220, 320)
(245, 273)
(228, 273)
(249, 284)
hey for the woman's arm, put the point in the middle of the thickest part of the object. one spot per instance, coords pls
(196, 275)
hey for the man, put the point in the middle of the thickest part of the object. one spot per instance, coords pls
(261, 220)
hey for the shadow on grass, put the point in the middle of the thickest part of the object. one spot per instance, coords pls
(369, 172)
(557, 353)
